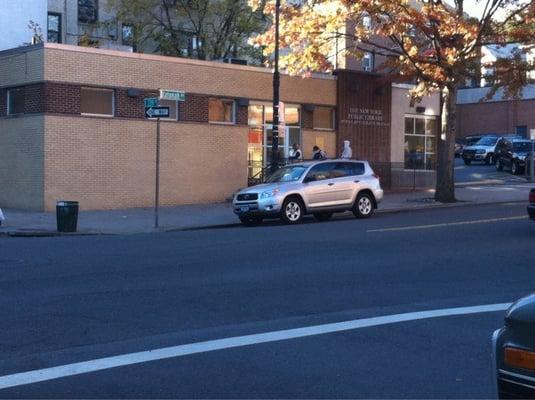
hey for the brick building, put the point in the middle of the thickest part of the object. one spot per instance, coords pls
(72, 126)
(497, 115)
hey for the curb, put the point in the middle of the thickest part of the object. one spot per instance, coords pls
(38, 233)
(459, 203)
(399, 210)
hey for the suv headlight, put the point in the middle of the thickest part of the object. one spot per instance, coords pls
(481, 151)
(269, 193)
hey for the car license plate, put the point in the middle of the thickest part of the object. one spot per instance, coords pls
(244, 208)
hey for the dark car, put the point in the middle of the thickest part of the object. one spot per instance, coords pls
(511, 154)
(514, 351)
(531, 205)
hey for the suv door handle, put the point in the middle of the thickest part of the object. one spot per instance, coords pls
(330, 184)
(357, 181)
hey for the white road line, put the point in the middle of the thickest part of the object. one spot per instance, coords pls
(46, 374)
(479, 221)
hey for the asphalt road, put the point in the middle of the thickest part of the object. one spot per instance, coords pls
(479, 172)
(71, 299)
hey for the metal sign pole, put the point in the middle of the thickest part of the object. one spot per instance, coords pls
(157, 189)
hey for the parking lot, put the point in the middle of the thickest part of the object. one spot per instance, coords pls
(478, 172)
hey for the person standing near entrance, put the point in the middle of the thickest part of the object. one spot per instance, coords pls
(296, 154)
(318, 154)
(347, 153)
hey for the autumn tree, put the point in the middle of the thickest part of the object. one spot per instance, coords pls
(433, 44)
(203, 29)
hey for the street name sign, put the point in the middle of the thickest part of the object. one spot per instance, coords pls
(173, 95)
(157, 112)
(151, 102)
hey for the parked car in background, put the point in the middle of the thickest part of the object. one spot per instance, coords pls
(513, 348)
(531, 205)
(471, 140)
(511, 154)
(483, 150)
(320, 188)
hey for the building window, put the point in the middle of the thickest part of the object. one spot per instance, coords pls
(15, 101)
(367, 62)
(221, 110)
(88, 11)
(54, 28)
(323, 118)
(366, 22)
(127, 33)
(420, 142)
(96, 101)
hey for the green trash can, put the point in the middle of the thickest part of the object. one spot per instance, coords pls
(67, 215)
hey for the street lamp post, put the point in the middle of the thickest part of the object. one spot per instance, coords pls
(276, 85)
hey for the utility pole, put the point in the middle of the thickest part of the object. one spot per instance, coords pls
(276, 100)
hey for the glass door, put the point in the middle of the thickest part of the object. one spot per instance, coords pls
(261, 138)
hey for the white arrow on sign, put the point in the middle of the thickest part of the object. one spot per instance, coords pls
(155, 112)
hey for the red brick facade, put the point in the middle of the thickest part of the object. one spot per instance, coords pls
(495, 117)
(61, 98)
(307, 118)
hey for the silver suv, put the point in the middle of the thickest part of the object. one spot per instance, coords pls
(320, 188)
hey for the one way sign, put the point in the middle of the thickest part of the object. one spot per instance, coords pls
(157, 112)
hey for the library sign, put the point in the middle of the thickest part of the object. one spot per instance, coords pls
(365, 116)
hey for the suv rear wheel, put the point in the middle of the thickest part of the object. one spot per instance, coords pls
(292, 210)
(363, 207)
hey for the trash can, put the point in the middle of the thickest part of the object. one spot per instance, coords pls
(67, 215)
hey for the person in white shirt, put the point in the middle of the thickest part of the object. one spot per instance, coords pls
(347, 153)
(296, 154)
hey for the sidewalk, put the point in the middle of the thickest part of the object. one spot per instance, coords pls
(141, 220)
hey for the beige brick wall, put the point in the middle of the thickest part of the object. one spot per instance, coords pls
(110, 163)
(326, 140)
(20, 68)
(21, 162)
(401, 107)
(111, 68)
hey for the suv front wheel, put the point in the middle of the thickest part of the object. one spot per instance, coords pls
(292, 210)
(363, 207)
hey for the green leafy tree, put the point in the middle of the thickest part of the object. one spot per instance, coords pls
(203, 29)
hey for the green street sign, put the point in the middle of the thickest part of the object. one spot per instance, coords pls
(151, 102)
(173, 95)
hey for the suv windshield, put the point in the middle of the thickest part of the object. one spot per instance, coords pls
(287, 174)
(487, 141)
(522, 147)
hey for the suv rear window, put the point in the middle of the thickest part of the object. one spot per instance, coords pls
(342, 169)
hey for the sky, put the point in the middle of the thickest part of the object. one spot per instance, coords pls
(476, 8)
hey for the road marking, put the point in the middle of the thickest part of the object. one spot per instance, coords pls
(62, 371)
(479, 221)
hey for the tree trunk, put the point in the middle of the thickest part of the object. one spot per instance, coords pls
(445, 187)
